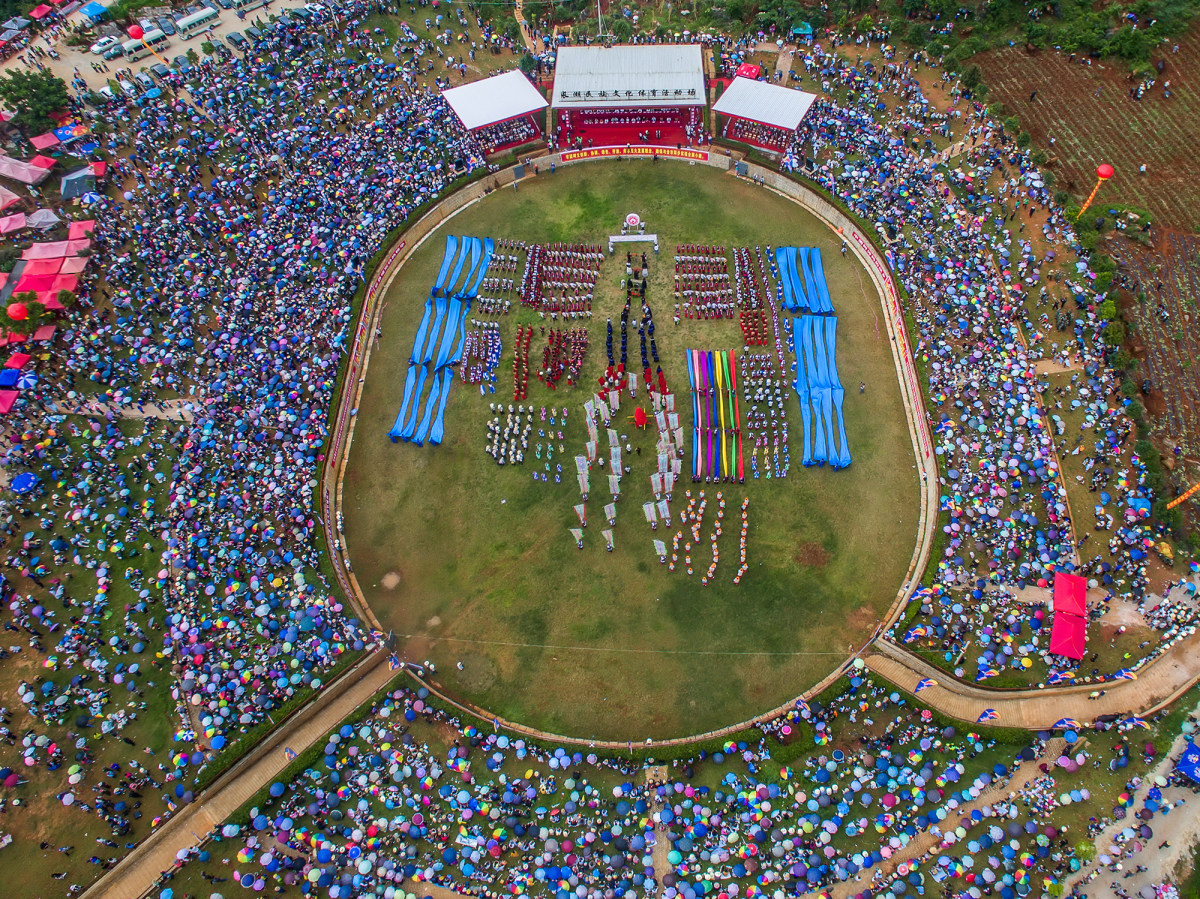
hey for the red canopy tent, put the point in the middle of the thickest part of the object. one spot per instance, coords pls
(748, 70)
(80, 229)
(38, 267)
(18, 360)
(1068, 635)
(1070, 593)
(45, 141)
(7, 398)
(45, 332)
(40, 11)
(44, 162)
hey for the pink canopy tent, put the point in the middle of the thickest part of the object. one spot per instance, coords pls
(80, 229)
(7, 398)
(56, 249)
(11, 223)
(22, 171)
(45, 332)
(40, 11)
(18, 360)
(99, 168)
(69, 283)
(45, 141)
(1070, 593)
(7, 198)
(72, 265)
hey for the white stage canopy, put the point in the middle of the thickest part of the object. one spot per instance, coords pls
(769, 104)
(495, 99)
(629, 76)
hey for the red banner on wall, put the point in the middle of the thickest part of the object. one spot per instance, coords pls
(601, 152)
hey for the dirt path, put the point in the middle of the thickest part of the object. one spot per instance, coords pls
(138, 871)
(1180, 829)
(526, 37)
(175, 410)
(657, 774)
(927, 840)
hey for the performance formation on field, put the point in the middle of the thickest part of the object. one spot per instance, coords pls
(557, 283)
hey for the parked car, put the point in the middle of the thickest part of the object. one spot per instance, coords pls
(114, 52)
(127, 88)
(253, 33)
(104, 43)
(304, 15)
(182, 66)
(236, 40)
(166, 25)
(225, 4)
(160, 71)
(144, 81)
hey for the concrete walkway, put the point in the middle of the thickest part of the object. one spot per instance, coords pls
(1159, 684)
(188, 827)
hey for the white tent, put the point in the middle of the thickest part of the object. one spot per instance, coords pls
(768, 104)
(655, 75)
(495, 99)
(43, 219)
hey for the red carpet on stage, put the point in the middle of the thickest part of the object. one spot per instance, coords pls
(619, 135)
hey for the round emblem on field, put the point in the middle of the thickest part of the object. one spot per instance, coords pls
(633, 220)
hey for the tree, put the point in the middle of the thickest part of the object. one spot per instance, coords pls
(34, 96)
(192, 56)
(622, 30)
(527, 63)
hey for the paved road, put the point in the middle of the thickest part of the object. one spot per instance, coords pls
(1159, 683)
(136, 873)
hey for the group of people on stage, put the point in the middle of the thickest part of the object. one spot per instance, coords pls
(505, 134)
(560, 279)
(759, 134)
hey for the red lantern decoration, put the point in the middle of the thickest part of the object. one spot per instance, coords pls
(135, 32)
(1104, 171)
(18, 312)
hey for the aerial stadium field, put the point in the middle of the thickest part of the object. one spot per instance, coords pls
(473, 563)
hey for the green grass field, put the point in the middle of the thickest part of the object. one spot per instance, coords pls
(472, 562)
